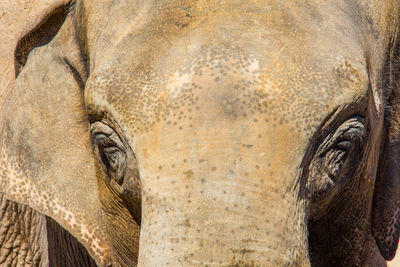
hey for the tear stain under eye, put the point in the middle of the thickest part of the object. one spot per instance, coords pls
(120, 192)
(122, 166)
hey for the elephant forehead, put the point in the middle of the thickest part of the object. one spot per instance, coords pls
(224, 83)
(171, 16)
(264, 59)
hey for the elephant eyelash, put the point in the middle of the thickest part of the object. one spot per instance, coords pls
(109, 150)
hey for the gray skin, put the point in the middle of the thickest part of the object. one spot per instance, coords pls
(212, 133)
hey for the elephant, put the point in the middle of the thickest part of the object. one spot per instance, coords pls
(204, 133)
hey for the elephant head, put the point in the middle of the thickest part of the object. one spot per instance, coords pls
(216, 133)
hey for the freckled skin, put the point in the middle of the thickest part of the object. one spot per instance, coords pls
(35, 143)
(219, 103)
(219, 113)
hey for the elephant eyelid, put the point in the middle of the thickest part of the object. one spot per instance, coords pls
(343, 139)
(104, 135)
(103, 140)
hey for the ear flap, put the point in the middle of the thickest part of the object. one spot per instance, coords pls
(46, 160)
(39, 36)
(386, 202)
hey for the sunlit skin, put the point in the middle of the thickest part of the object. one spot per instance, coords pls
(216, 112)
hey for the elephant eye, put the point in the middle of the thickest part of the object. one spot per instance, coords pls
(336, 158)
(109, 150)
(336, 147)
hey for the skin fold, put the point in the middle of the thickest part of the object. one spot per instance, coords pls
(210, 133)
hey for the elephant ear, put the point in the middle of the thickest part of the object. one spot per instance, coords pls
(46, 160)
(386, 201)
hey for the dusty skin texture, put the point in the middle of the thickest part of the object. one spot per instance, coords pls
(24, 231)
(23, 240)
(17, 18)
(228, 133)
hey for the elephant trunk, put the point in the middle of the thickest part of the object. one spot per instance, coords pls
(217, 180)
(221, 218)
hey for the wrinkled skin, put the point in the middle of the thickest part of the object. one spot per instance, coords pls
(216, 133)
